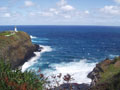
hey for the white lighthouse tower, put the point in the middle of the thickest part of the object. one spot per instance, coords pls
(15, 29)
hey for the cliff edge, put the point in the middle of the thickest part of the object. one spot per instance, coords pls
(16, 47)
(106, 75)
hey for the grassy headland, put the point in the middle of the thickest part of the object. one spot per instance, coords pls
(16, 47)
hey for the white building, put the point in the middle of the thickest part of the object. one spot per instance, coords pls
(15, 29)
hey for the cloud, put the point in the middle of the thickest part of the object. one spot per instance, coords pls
(53, 10)
(62, 3)
(67, 16)
(114, 10)
(62, 13)
(3, 8)
(86, 12)
(117, 1)
(29, 3)
(67, 8)
(7, 15)
(49, 14)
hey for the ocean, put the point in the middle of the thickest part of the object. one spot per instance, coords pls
(73, 50)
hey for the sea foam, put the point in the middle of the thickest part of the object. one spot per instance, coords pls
(32, 37)
(78, 71)
(34, 59)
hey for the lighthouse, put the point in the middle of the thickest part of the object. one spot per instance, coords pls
(15, 29)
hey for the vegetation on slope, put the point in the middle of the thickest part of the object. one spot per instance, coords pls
(110, 70)
(5, 33)
(16, 47)
(110, 75)
(16, 80)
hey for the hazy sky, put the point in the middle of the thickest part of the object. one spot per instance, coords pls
(60, 12)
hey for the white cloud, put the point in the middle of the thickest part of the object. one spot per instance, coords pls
(7, 15)
(118, 1)
(67, 8)
(45, 13)
(62, 11)
(53, 10)
(3, 8)
(115, 10)
(62, 3)
(67, 16)
(29, 3)
(86, 12)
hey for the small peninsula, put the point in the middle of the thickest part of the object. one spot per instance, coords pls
(16, 47)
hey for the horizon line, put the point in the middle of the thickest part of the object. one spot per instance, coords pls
(66, 25)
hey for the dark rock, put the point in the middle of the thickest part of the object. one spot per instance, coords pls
(72, 86)
(37, 48)
(103, 86)
(95, 74)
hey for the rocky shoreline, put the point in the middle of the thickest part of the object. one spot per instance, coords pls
(38, 49)
(29, 55)
(105, 76)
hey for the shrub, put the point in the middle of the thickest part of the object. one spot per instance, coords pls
(16, 80)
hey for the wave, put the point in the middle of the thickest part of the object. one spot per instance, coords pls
(32, 37)
(78, 70)
(38, 40)
(46, 48)
(35, 41)
(34, 59)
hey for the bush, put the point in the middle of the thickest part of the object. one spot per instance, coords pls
(16, 80)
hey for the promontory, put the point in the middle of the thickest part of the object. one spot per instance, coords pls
(16, 47)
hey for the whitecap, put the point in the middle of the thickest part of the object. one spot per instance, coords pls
(34, 59)
(32, 37)
(78, 70)
(36, 41)
(46, 48)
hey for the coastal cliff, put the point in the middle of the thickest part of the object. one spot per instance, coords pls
(16, 47)
(106, 75)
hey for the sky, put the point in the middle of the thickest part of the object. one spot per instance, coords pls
(60, 12)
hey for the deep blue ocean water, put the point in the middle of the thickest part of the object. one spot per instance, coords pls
(71, 49)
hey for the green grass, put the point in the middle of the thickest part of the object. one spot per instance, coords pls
(5, 33)
(110, 78)
(5, 41)
(16, 80)
(110, 71)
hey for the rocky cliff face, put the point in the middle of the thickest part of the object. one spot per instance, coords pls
(106, 75)
(95, 75)
(16, 47)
